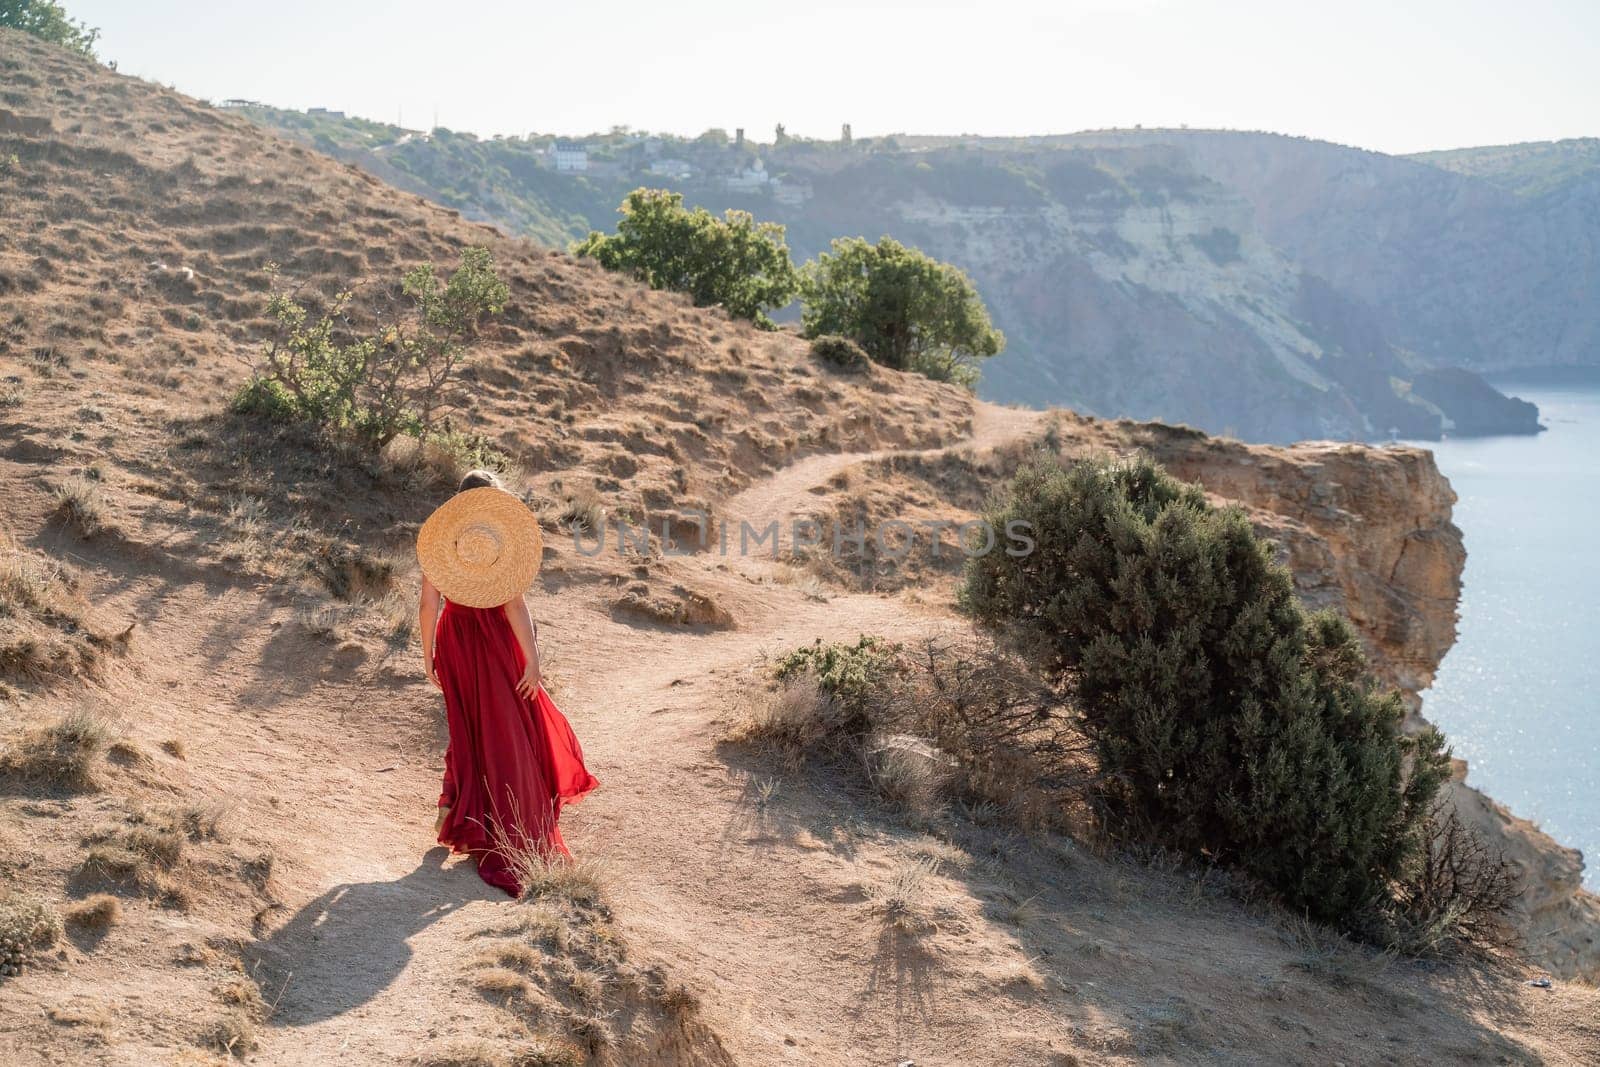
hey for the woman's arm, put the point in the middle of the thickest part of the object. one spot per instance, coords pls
(528, 637)
(428, 624)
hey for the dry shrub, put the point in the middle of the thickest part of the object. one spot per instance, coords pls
(960, 716)
(909, 773)
(1013, 740)
(790, 720)
(1455, 898)
(63, 754)
(98, 912)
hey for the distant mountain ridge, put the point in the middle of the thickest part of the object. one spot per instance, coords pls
(1269, 287)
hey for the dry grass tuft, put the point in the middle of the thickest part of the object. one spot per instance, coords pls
(575, 881)
(501, 983)
(125, 751)
(44, 634)
(175, 748)
(96, 913)
(515, 955)
(582, 508)
(902, 899)
(790, 720)
(24, 585)
(82, 504)
(327, 621)
(62, 755)
(146, 850)
(561, 958)
(398, 613)
(233, 1033)
(909, 773)
(542, 1051)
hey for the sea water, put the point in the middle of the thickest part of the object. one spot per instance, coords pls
(1519, 694)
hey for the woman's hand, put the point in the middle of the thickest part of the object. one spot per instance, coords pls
(530, 681)
(432, 672)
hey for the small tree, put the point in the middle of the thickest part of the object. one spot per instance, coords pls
(1228, 722)
(733, 261)
(49, 21)
(375, 386)
(908, 311)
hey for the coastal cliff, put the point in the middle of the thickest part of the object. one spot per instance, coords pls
(1367, 531)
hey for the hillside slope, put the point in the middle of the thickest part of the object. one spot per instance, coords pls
(231, 602)
(1531, 169)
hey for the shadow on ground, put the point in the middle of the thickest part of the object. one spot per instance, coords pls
(348, 945)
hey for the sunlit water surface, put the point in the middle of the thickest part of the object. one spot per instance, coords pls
(1519, 694)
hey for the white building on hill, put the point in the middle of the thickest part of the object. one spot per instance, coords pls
(570, 158)
(672, 168)
(751, 179)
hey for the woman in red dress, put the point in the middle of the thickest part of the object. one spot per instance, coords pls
(512, 760)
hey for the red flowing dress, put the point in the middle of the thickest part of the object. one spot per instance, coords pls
(512, 762)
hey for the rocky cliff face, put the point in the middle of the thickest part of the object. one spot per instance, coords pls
(1132, 281)
(1457, 266)
(1367, 531)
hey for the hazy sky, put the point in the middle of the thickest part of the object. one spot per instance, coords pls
(1396, 76)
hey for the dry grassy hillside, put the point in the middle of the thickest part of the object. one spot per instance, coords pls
(219, 756)
(139, 225)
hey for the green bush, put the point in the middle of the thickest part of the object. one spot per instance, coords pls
(1228, 722)
(734, 262)
(267, 399)
(852, 676)
(371, 387)
(49, 21)
(904, 308)
(841, 353)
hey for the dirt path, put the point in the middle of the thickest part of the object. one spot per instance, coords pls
(785, 492)
(784, 954)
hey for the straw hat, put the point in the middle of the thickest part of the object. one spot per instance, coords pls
(481, 547)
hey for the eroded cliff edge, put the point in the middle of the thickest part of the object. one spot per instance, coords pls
(1367, 531)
